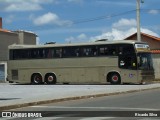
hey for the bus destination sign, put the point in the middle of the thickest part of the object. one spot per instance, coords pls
(142, 47)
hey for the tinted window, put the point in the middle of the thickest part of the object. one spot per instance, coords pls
(128, 61)
(75, 51)
(145, 61)
(89, 51)
(126, 49)
(71, 52)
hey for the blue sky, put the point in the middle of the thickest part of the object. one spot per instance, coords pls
(65, 21)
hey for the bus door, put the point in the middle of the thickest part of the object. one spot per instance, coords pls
(128, 65)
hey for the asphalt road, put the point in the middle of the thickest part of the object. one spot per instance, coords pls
(144, 105)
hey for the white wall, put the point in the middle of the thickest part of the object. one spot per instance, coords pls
(156, 64)
(5, 69)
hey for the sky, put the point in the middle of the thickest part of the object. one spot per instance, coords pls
(74, 21)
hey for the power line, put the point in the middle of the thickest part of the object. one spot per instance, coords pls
(110, 16)
(81, 21)
(87, 20)
(102, 17)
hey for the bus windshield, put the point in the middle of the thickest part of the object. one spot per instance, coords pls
(145, 61)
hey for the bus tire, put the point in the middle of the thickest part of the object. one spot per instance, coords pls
(36, 78)
(50, 78)
(114, 78)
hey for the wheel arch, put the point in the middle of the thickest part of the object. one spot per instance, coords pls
(50, 73)
(33, 74)
(110, 73)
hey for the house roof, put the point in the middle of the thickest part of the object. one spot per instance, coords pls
(4, 30)
(144, 34)
(155, 51)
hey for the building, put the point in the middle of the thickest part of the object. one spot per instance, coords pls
(7, 38)
(154, 43)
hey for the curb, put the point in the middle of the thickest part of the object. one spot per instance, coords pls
(2, 108)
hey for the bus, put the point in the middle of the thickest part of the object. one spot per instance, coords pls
(103, 62)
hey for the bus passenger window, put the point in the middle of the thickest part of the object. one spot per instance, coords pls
(50, 53)
(103, 50)
(58, 53)
(77, 52)
(94, 51)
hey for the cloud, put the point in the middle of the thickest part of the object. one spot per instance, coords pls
(49, 19)
(24, 5)
(124, 23)
(80, 38)
(116, 34)
(154, 12)
(29, 5)
(120, 30)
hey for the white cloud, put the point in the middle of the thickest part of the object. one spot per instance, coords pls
(29, 5)
(120, 30)
(124, 23)
(49, 18)
(116, 34)
(37, 41)
(24, 5)
(80, 38)
(154, 12)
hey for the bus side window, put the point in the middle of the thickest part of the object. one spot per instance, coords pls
(77, 52)
(50, 53)
(58, 53)
(103, 50)
(94, 51)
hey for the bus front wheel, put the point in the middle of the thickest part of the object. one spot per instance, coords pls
(114, 78)
(50, 78)
(36, 78)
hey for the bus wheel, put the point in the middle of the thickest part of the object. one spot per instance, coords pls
(114, 78)
(36, 78)
(50, 78)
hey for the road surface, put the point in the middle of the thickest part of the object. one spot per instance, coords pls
(144, 105)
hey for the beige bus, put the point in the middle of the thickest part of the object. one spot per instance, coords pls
(102, 62)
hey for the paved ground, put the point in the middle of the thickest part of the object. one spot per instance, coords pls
(115, 107)
(14, 96)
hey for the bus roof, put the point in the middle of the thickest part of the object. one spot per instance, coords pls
(18, 46)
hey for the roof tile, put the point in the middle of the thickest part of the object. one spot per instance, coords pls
(155, 51)
(4, 30)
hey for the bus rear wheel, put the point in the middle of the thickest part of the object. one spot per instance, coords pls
(50, 78)
(115, 79)
(36, 78)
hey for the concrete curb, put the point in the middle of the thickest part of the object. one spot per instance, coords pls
(9, 107)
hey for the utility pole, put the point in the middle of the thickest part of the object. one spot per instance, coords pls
(138, 21)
